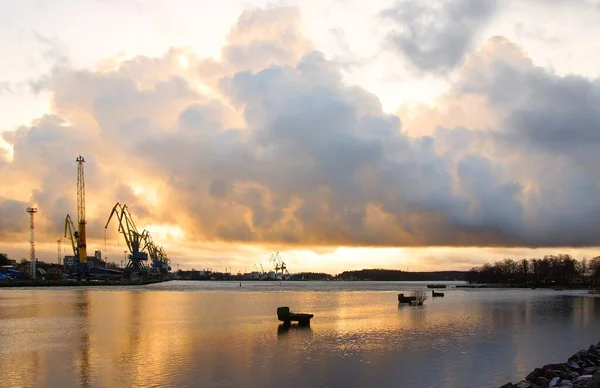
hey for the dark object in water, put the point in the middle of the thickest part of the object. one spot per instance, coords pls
(436, 286)
(406, 299)
(286, 316)
(436, 294)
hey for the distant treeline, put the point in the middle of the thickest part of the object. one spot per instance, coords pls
(397, 275)
(311, 276)
(549, 270)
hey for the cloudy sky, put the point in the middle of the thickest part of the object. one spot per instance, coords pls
(346, 134)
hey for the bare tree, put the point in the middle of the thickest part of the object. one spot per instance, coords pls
(420, 296)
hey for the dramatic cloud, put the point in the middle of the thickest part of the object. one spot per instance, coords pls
(435, 35)
(268, 144)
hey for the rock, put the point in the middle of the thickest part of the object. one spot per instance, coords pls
(566, 383)
(542, 381)
(583, 379)
(559, 367)
(537, 372)
(583, 353)
(573, 358)
(550, 374)
(596, 377)
(574, 366)
(589, 370)
(593, 350)
(554, 382)
(563, 375)
(594, 359)
(508, 385)
(525, 384)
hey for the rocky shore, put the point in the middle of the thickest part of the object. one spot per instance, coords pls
(582, 370)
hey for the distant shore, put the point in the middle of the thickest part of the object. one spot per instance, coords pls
(72, 283)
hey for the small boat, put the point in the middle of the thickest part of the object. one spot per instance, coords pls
(436, 286)
(436, 294)
(286, 316)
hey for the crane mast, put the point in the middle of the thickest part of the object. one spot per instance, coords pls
(81, 240)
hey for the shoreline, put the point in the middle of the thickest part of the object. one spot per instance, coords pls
(582, 370)
(72, 283)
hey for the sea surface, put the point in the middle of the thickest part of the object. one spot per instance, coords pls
(221, 334)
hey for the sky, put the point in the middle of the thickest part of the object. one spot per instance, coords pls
(430, 135)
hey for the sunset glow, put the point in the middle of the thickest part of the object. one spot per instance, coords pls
(369, 141)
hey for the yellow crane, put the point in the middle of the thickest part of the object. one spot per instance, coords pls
(78, 235)
(81, 241)
(279, 266)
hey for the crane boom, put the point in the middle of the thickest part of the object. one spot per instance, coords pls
(73, 235)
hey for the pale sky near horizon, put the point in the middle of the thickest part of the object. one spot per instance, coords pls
(431, 64)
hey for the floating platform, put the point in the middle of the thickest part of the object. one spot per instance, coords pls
(406, 299)
(436, 286)
(286, 316)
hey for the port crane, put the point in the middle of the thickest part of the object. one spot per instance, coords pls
(279, 265)
(81, 215)
(136, 241)
(77, 235)
(140, 244)
(73, 235)
(157, 255)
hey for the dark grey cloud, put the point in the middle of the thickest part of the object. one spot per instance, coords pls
(13, 218)
(436, 35)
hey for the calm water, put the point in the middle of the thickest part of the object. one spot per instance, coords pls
(196, 334)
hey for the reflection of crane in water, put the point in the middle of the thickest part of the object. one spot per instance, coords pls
(83, 312)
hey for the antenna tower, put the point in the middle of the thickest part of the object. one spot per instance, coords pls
(59, 251)
(32, 265)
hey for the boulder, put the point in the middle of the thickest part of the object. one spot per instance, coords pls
(554, 382)
(566, 383)
(562, 366)
(550, 374)
(574, 366)
(508, 385)
(537, 372)
(573, 358)
(583, 379)
(525, 384)
(583, 353)
(589, 370)
(542, 381)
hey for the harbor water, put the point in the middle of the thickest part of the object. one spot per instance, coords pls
(204, 334)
